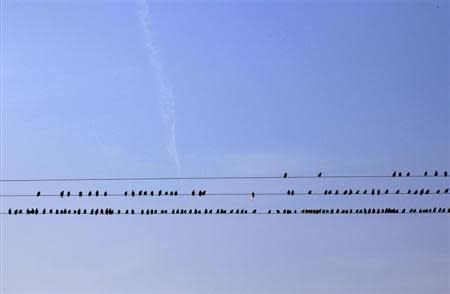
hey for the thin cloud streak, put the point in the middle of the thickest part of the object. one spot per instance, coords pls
(166, 98)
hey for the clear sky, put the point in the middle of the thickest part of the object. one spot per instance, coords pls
(201, 88)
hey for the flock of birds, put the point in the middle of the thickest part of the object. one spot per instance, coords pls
(184, 211)
(290, 192)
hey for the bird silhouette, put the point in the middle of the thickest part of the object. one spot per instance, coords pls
(140, 193)
(61, 193)
(105, 194)
(175, 193)
(319, 174)
(125, 193)
(445, 173)
(38, 193)
(133, 193)
(425, 174)
(145, 193)
(436, 173)
(97, 193)
(193, 193)
(309, 192)
(446, 191)
(285, 175)
(68, 193)
(80, 194)
(394, 174)
(408, 174)
(90, 193)
(399, 174)
(253, 195)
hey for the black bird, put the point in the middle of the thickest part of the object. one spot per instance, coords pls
(399, 174)
(394, 174)
(97, 193)
(159, 193)
(105, 194)
(438, 191)
(436, 173)
(61, 193)
(204, 192)
(289, 192)
(446, 191)
(38, 193)
(425, 174)
(445, 173)
(145, 193)
(166, 193)
(409, 191)
(132, 193)
(68, 193)
(253, 195)
(408, 174)
(292, 192)
(171, 193)
(397, 192)
(285, 175)
(175, 193)
(80, 193)
(319, 174)
(9, 211)
(309, 192)
(90, 193)
(140, 193)
(151, 193)
(125, 194)
(193, 193)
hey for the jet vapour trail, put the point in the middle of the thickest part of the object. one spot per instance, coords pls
(165, 97)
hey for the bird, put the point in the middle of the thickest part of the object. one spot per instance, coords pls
(394, 174)
(292, 192)
(132, 193)
(175, 193)
(253, 195)
(61, 193)
(436, 173)
(285, 175)
(105, 194)
(408, 174)
(309, 192)
(319, 174)
(445, 173)
(425, 174)
(125, 194)
(97, 193)
(399, 174)
(90, 193)
(80, 193)
(68, 193)
(446, 191)
(397, 192)
(140, 193)
(193, 193)
(38, 193)
(289, 192)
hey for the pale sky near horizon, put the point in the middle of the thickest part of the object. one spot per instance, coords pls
(219, 88)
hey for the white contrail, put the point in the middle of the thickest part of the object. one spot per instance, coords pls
(165, 97)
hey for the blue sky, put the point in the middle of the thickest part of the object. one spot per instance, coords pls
(197, 88)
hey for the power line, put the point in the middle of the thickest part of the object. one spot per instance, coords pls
(318, 176)
(227, 194)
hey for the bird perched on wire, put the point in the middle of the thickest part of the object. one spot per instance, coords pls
(285, 175)
(97, 193)
(90, 193)
(445, 173)
(319, 174)
(61, 193)
(253, 195)
(425, 174)
(436, 173)
(394, 174)
(38, 193)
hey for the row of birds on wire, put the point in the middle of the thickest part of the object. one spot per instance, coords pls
(289, 192)
(110, 211)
